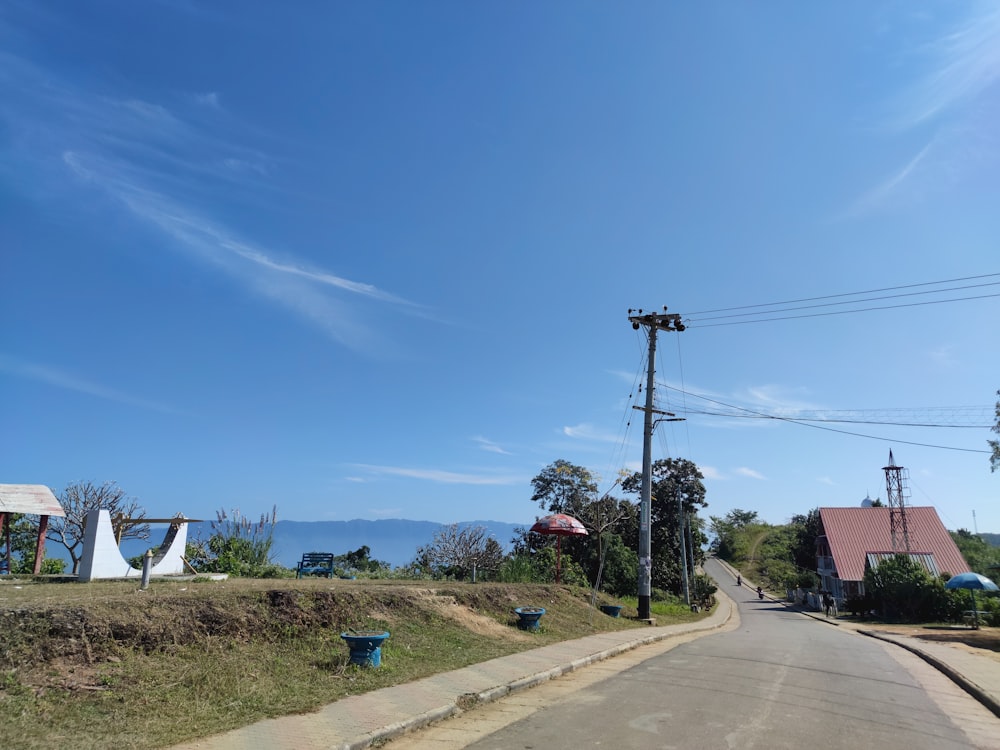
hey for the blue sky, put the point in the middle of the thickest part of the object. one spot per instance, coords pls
(375, 260)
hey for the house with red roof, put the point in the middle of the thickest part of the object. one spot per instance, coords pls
(854, 539)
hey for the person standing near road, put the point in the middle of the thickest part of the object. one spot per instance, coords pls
(739, 580)
(827, 602)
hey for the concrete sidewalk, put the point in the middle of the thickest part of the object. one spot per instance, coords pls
(362, 720)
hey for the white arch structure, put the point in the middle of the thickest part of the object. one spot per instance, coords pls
(103, 559)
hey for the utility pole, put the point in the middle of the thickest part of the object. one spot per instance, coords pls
(653, 323)
(684, 561)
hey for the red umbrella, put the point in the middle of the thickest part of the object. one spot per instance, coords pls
(559, 525)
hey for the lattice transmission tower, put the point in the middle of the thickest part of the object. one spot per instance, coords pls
(896, 478)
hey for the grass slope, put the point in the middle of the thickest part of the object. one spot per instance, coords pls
(104, 664)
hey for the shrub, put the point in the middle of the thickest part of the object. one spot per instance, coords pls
(238, 546)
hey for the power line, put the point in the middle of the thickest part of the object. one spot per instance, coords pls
(856, 301)
(694, 323)
(849, 294)
(838, 421)
(804, 423)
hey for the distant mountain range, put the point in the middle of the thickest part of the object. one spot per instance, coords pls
(394, 541)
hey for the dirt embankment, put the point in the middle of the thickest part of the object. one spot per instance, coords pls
(103, 626)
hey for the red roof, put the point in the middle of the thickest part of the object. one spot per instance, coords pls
(852, 533)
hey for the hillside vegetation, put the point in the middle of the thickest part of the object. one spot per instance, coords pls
(105, 664)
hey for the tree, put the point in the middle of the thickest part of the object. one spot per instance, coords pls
(676, 494)
(980, 555)
(739, 519)
(601, 517)
(360, 560)
(562, 487)
(80, 498)
(461, 552)
(807, 529)
(904, 590)
(995, 444)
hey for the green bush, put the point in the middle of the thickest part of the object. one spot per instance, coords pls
(238, 546)
(903, 590)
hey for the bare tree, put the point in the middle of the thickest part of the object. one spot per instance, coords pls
(81, 497)
(462, 551)
(599, 517)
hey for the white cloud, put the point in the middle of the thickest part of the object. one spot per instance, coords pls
(826, 480)
(881, 194)
(963, 64)
(951, 98)
(443, 477)
(209, 99)
(943, 356)
(585, 431)
(156, 163)
(781, 400)
(743, 471)
(490, 446)
(385, 512)
(710, 472)
(291, 284)
(244, 166)
(60, 379)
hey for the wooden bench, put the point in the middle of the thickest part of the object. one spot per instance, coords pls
(315, 564)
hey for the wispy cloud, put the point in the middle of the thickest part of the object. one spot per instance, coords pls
(61, 379)
(780, 399)
(490, 446)
(209, 99)
(586, 431)
(743, 471)
(443, 477)
(943, 355)
(385, 512)
(948, 99)
(280, 281)
(159, 163)
(963, 64)
(881, 194)
(710, 472)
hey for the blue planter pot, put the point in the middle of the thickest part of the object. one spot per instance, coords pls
(612, 610)
(528, 617)
(365, 647)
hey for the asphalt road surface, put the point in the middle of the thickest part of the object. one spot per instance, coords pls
(777, 679)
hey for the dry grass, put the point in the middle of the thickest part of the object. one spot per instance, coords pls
(103, 664)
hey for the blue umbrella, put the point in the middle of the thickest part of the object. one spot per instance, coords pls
(972, 581)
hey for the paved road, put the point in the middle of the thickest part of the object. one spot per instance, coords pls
(778, 680)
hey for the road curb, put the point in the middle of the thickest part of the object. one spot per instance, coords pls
(959, 679)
